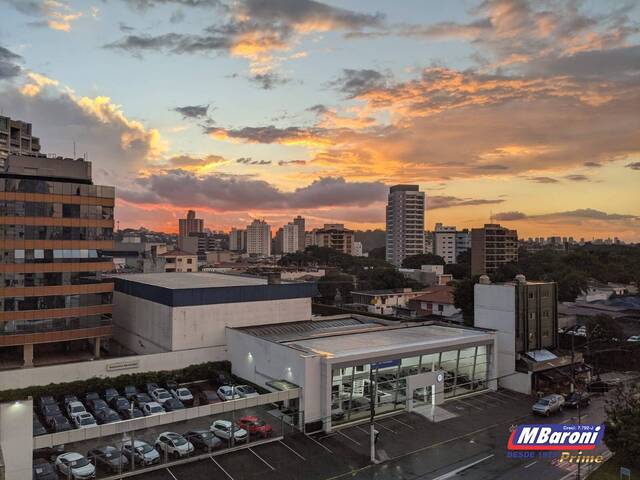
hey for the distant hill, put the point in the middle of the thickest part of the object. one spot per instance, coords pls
(370, 239)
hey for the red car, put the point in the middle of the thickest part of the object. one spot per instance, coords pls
(255, 426)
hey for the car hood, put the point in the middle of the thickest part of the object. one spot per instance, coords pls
(86, 470)
(152, 454)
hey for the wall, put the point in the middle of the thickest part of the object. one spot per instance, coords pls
(16, 437)
(518, 382)
(494, 308)
(70, 372)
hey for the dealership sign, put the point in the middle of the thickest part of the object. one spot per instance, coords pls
(555, 437)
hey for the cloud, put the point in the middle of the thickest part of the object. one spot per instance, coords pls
(268, 80)
(435, 202)
(250, 161)
(54, 14)
(9, 64)
(544, 180)
(354, 83)
(148, 4)
(270, 134)
(192, 111)
(579, 214)
(509, 216)
(578, 178)
(177, 16)
(35, 83)
(286, 163)
(238, 193)
(123, 27)
(592, 164)
(633, 166)
(189, 162)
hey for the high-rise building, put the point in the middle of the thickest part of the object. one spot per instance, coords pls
(56, 222)
(237, 240)
(16, 138)
(259, 238)
(405, 223)
(291, 237)
(336, 236)
(300, 223)
(189, 225)
(277, 243)
(448, 242)
(491, 247)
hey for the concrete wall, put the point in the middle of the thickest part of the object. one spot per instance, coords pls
(518, 382)
(70, 372)
(16, 438)
(495, 308)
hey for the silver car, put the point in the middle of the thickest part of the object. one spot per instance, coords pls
(143, 453)
(548, 405)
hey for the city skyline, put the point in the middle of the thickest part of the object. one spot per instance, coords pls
(498, 110)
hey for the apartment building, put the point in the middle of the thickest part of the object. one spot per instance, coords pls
(448, 242)
(237, 240)
(54, 225)
(259, 238)
(300, 222)
(16, 139)
(336, 236)
(405, 223)
(180, 261)
(291, 237)
(491, 247)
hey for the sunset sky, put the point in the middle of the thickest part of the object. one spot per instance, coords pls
(527, 111)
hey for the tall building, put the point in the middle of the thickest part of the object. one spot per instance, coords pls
(55, 224)
(405, 223)
(300, 223)
(237, 240)
(259, 238)
(448, 242)
(16, 138)
(189, 225)
(291, 237)
(336, 236)
(491, 247)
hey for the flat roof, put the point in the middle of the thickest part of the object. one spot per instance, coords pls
(174, 280)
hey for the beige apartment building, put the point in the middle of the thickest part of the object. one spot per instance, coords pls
(491, 247)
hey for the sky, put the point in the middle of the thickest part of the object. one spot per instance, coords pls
(524, 112)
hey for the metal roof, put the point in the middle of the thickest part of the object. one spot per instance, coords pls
(283, 332)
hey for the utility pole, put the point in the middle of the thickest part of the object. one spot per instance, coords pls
(373, 393)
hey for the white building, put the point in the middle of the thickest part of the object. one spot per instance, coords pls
(383, 302)
(290, 238)
(259, 238)
(356, 249)
(448, 242)
(405, 223)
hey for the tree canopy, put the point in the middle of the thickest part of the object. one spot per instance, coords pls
(622, 427)
(416, 261)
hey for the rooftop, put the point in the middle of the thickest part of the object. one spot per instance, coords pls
(177, 253)
(192, 280)
(437, 294)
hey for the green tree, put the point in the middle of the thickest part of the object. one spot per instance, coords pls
(378, 252)
(622, 427)
(416, 261)
(463, 298)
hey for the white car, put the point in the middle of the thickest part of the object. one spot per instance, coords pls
(634, 338)
(174, 444)
(75, 466)
(84, 420)
(247, 391)
(160, 395)
(75, 408)
(152, 408)
(144, 454)
(226, 392)
(182, 394)
(223, 428)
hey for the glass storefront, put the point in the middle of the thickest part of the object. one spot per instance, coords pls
(466, 371)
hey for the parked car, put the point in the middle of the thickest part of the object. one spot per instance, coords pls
(96, 405)
(220, 377)
(43, 470)
(183, 394)
(109, 457)
(247, 391)
(634, 338)
(599, 386)
(75, 466)
(107, 415)
(152, 408)
(38, 428)
(336, 412)
(119, 403)
(207, 396)
(59, 423)
(50, 410)
(84, 420)
(160, 395)
(224, 429)
(228, 393)
(574, 399)
(110, 394)
(67, 399)
(172, 405)
(255, 426)
(89, 396)
(141, 398)
(548, 405)
(142, 453)
(173, 444)
(203, 439)
(171, 384)
(75, 408)
(150, 387)
(129, 391)
(45, 400)
(129, 413)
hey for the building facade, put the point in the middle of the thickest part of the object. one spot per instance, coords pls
(491, 247)
(55, 224)
(16, 139)
(237, 240)
(291, 237)
(300, 222)
(405, 223)
(335, 236)
(180, 261)
(188, 226)
(259, 238)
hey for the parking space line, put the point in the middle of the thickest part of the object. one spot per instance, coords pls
(315, 441)
(402, 423)
(171, 473)
(531, 464)
(348, 437)
(263, 460)
(386, 428)
(220, 467)
(293, 451)
(469, 404)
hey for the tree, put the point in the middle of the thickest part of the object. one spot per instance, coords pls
(462, 267)
(603, 327)
(416, 261)
(379, 252)
(463, 298)
(622, 427)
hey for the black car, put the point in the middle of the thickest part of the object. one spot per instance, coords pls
(129, 413)
(173, 404)
(171, 384)
(109, 457)
(577, 398)
(129, 391)
(141, 398)
(599, 386)
(220, 378)
(43, 470)
(96, 405)
(119, 403)
(38, 428)
(203, 439)
(110, 394)
(90, 396)
(51, 410)
(59, 423)
(107, 415)
(206, 397)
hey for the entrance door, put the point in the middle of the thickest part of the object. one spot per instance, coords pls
(423, 396)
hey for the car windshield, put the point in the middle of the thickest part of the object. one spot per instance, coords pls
(178, 441)
(86, 421)
(146, 448)
(205, 435)
(77, 408)
(259, 423)
(184, 392)
(164, 395)
(247, 389)
(155, 408)
(544, 402)
(79, 463)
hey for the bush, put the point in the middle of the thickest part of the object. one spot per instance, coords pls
(192, 373)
